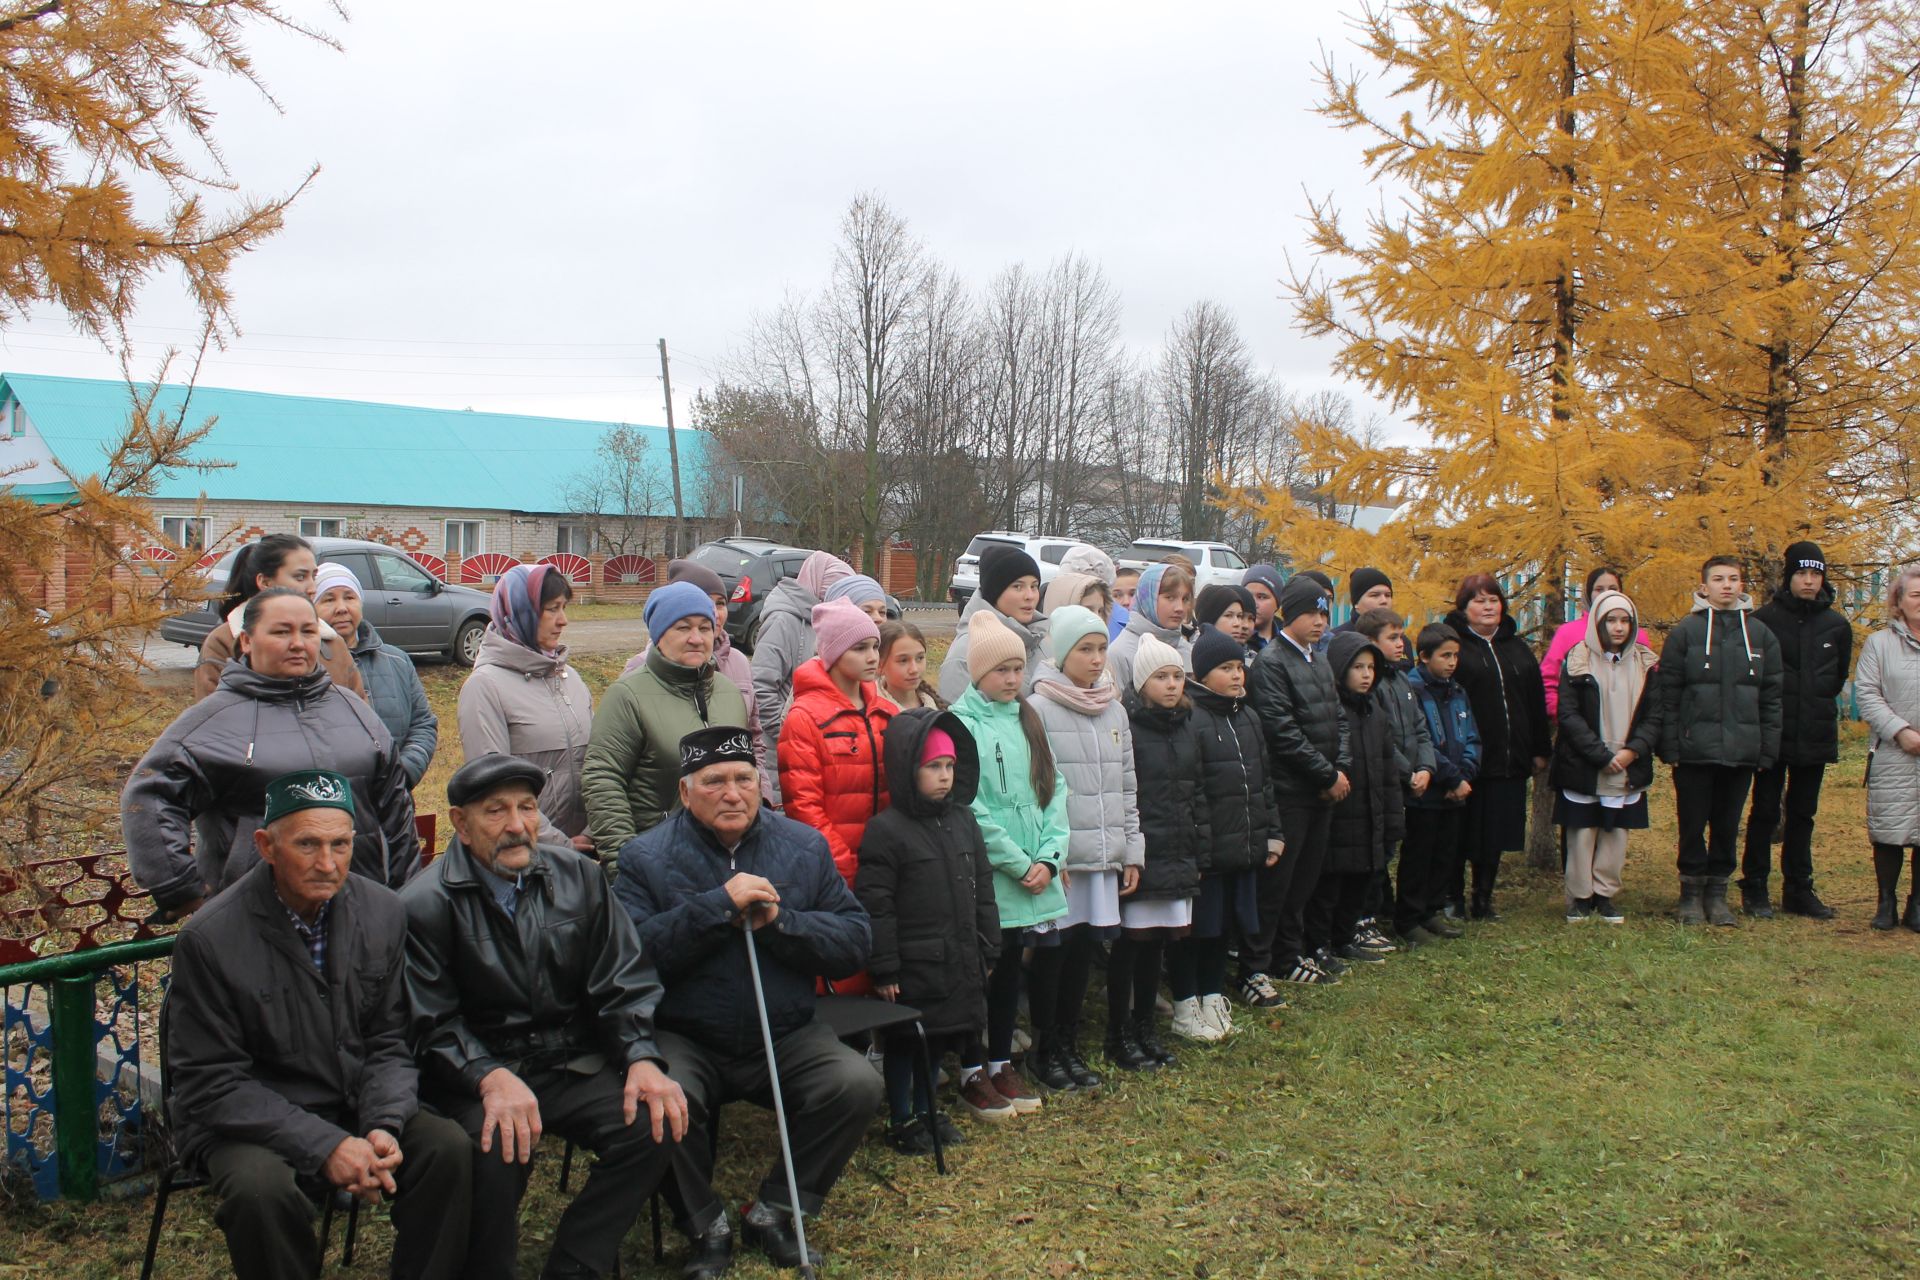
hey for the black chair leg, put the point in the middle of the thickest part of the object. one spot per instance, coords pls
(159, 1215)
(326, 1234)
(659, 1245)
(925, 1071)
(353, 1229)
(566, 1167)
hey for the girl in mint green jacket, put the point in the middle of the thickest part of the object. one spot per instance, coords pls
(1021, 807)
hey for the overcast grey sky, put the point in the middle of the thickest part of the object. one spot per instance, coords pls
(517, 200)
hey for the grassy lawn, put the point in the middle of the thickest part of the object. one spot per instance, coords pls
(1538, 1099)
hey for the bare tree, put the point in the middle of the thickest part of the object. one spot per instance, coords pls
(617, 492)
(1211, 396)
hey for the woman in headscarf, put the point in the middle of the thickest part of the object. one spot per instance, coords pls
(1072, 587)
(1610, 717)
(786, 641)
(523, 699)
(394, 690)
(863, 593)
(1161, 608)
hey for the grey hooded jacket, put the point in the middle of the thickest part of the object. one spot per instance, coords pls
(954, 677)
(191, 807)
(399, 699)
(1888, 686)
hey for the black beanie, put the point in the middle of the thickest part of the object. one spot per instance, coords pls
(1000, 567)
(1215, 648)
(1217, 599)
(1325, 582)
(1365, 580)
(1303, 595)
(1805, 555)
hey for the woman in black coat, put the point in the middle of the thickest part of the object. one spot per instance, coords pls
(1509, 699)
(927, 886)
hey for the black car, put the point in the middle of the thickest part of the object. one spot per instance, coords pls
(410, 608)
(750, 568)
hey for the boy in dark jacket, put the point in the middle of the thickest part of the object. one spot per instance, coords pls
(1364, 821)
(1432, 850)
(1720, 680)
(1816, 648)
(1412, 749)
(927, 886)
(1299, 704)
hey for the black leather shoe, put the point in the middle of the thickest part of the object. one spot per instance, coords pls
(771, 1232)
(1147, 1036)
(1801, 900)
(1754, 900)
(1076, 1066)
(1124, 1052)
(561, 1267)
(711, 1254)
(1048, 1069)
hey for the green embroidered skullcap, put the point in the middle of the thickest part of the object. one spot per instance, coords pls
(307, 789)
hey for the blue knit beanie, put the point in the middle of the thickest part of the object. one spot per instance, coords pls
(677, 600)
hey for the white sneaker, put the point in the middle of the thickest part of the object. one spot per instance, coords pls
(1217, 1011)
(1192, 1022)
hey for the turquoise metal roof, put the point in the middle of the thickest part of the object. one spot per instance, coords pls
(309, 449)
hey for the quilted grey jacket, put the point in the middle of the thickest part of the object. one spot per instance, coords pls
(399, 699)
(1887, 683)
(1095, 755)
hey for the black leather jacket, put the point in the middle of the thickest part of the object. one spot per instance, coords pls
(560, 982)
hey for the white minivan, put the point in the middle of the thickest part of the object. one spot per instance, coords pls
(1213, 562)
(1045, 549)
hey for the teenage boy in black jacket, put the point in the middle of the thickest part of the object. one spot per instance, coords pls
(1816, 648)
(1299, 704)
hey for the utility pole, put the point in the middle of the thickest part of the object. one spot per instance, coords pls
(673, 451)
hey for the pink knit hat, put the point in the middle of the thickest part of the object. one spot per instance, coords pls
(939, 745)
(838, 627)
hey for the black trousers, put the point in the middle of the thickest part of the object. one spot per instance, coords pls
(1427, 859)
(266, 1210)
(1057, 987)
(1708, 799)
(831, 1096)
(1798, 785)
(1003, 996)
(1284, 890)
(1335, 909)
(586, 1110)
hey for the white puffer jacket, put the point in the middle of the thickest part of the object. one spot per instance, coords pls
(1095, 755)
(1887, 684)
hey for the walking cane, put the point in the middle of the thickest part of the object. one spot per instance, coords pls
(779, 1107)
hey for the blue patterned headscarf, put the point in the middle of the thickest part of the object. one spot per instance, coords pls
(1146, 600)
(516, 605)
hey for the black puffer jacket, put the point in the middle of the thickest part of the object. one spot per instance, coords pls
(1720, 679)
(1174, 814)
(926, 884)
(264, 1048)
(560, 980)
(1509, 699)
(1373, 815)
(672, 882)
(1816, 650)
(1299, 706)
(208, 774)
(1241, 813)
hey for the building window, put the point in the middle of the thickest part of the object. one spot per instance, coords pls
(464, 538)
(573, 539)
(317, 527)
(189, 533)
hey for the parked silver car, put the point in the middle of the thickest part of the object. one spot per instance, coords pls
(408, 606)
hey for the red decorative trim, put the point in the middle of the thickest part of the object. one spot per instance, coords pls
(578, 571)
(629, 569)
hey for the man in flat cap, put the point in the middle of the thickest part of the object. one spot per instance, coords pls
(718, 865)
(287, 1064)
(532, 1010)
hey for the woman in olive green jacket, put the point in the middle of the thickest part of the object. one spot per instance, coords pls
(631, 778)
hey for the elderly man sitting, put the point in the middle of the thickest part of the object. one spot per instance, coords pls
(533, 1011)
(287, 1060)
(717, 865)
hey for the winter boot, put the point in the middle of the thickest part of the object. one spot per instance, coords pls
(1691, 909)
(1886, 870)
(1754, 900)
(1124, 1052)
(1148, 1037)
(1715, 903)
(1047, 1067)
(1799, 899)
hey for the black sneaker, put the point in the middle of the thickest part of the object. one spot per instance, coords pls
(1373, 937)
(1258, 992)
(1604, 908)
(910, 1138)
(1579, 910)
(1361, 955)
(1084, 1076)
(1333, 964)
(1308, 974)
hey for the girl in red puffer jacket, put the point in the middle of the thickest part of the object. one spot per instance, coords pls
(832, 772)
